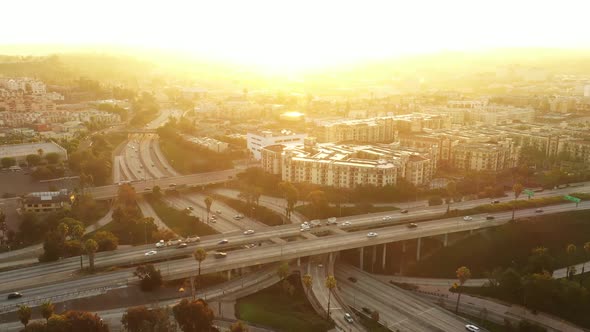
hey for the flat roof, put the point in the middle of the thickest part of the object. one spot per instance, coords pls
(17, 150)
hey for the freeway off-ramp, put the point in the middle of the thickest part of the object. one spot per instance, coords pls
(185, 267)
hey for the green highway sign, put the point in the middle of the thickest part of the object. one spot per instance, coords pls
(572, 198)
(529, 192)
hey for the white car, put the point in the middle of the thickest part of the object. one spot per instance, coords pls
(387, 218)
(249, 232)
(332, 221)
(372, 234)
(346, 223)
(173, 242)
(160, 244)
(151, 253)
(348, 318)
(467, 218)
(471, 328)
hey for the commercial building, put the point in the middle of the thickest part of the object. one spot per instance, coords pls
(258, 140)
(46, 202)
(21, 151)
(476, 113)
(348, 166)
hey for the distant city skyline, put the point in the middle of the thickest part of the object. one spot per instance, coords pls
(299, 34)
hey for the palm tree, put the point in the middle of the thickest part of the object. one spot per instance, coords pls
(307, 282)
(517, 189)
(571, 253)
(63, 230)
(24, 314)
(208, 202)
(47, 309)
(90, 246)
(451, 193)
(40, 152)
(463, 274)
(200, 255)
(330, 285)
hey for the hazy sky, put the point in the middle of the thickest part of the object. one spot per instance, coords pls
(299, 32)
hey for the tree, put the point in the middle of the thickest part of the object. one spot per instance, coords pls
(36, 326)
(451, 193)
(150, 278)
(52, 158)
(318, 201)
(517, 190)
(291, 196)
(62, 230)
(106, 241)
(24, 314)
(463, 274)
(126, 194)
(8, 162)
(571, 254)
(40, 153)
(330, 285)
(142, 319)
(283, 270)
(307, 280)
(193, 316)
(587, 253)
(434, 200)
(80, 321)
(200, 255)
(77, 232)
(33, 160)
(90, 246)
(208, 202)
(47, 309)
(157, 192)
(239, 326)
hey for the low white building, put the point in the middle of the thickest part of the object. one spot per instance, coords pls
(21, 151)
(258, 140)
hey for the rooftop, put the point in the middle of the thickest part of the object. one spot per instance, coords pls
(16, 150)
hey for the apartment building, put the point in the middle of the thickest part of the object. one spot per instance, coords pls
(348, 166)
(258, 140)
(207, 142)
(491, 115)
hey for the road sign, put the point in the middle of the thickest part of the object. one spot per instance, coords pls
(529, 193)
(572, 198)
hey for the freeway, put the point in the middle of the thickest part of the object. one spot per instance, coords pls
(397, 309)
(319, 272)
(184, 267)
(195, 180)
(340, 240)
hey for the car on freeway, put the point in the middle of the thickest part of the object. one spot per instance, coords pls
(467, 218)
(412, 225)
(220, 254)
(14, 295)
(190, 208)
(182, 245)
(495, 201)
(224, 241)
(218, 211)
(304, 228)
(346, 223)
(404, 211)
(193, 239)
(173, 242)
(213, 220)
(151, 253)
(160, 244)
(372, 234)
(332, 221)
(348, 318)
(490, 217)
(539, 211)
(320, 265)
(352, 279)
(238, 217)
(249, 232)
(471, 328)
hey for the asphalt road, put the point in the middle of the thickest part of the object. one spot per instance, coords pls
(397, 308)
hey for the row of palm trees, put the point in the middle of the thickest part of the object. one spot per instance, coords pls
(24, 312)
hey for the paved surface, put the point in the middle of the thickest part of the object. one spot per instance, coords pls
(397, 308)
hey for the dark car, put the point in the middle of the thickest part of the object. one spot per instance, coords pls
(404, 211)
(352, 279)
(490, 218)
(15, 295)
(495, 201)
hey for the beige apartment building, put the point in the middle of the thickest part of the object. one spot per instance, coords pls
(348, 166)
